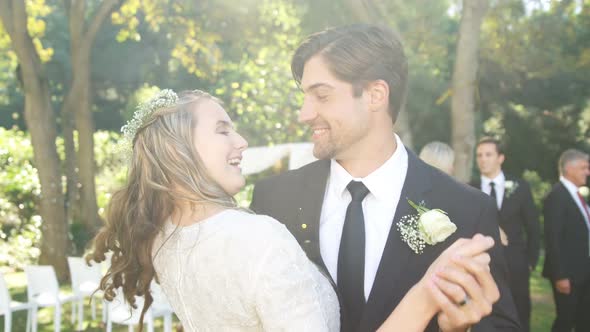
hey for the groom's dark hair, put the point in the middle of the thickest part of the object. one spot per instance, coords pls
(359, 54)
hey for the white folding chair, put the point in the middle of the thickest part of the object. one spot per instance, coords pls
(161, 305)
(119, 312)
(43, 291)
(7, 306)
(85, 281)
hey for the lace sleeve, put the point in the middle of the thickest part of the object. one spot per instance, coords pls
(286, 291)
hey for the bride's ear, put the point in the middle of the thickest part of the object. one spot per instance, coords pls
(378, 95)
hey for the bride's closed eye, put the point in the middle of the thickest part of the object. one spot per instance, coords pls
(224, 128)
(224, 132)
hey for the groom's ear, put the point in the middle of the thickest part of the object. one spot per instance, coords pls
(378, 93)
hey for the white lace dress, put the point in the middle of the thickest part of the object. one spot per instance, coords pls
(238, 271)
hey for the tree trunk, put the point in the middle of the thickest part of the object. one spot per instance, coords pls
(72, 195)
(78, 101)
(86, 160)
(40, 121)
(464, 83)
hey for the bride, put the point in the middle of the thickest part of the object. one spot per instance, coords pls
(224, 268)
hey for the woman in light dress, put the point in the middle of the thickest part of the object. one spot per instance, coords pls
(223, 268)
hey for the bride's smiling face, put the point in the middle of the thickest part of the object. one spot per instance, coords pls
(219, 146)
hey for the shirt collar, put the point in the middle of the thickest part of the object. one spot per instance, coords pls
(570, 186)
(380, 181)
(498, 180)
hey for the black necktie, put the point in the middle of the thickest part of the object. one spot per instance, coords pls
(493, 191)
(351, 257)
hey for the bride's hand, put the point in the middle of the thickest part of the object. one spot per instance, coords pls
(461, 283)
(461, 270)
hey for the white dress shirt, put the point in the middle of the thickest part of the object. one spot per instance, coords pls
(499, 186)
(385, 186)
(573, 190)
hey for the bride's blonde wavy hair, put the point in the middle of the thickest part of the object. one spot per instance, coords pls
(165, 171)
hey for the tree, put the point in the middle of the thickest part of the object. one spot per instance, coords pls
(17, 20)
(40, 120)
(76, 106)
(464, 83)
(534, 82)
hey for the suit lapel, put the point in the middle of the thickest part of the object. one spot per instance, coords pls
(396, 253)
(314, 181)
(505, 198)
(573, 203)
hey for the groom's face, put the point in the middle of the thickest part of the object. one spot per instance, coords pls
(339, 121)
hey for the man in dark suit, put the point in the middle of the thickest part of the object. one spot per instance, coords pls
(567, 261)
(354, 84)
(519, 221)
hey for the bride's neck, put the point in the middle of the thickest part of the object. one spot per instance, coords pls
(186, 214)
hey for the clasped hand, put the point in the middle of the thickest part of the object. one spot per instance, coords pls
(460, 284)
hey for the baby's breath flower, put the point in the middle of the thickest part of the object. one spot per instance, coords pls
(408, 228)
(143, 112)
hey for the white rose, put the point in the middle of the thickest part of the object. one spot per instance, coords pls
(509, 184)
(584, 191)
(435, 226)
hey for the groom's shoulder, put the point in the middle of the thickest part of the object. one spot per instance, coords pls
(291, 177)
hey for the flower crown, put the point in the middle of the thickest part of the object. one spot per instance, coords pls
(164, 98)
(143, 112)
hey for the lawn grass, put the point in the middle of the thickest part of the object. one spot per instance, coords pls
(543, 312)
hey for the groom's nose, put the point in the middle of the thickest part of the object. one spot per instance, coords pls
(307, 112)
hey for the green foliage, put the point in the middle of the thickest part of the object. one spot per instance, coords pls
(20, 222)
(539, 188)
(258, 89)
(19, 198)
(18, 179)
(195, 47)
(20, 247)
(534, 80)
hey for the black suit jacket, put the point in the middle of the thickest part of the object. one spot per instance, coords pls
(566, 237)
(295, 198)
(520, 220)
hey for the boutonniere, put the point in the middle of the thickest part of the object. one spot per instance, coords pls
(584, 191)
(510, 188)
(428, 226)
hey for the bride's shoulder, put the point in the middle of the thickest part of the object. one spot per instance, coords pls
(251, 227)
(243, 221)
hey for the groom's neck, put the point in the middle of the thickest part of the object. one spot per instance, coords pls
(365, 160)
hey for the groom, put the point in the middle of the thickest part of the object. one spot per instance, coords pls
(354, 80)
